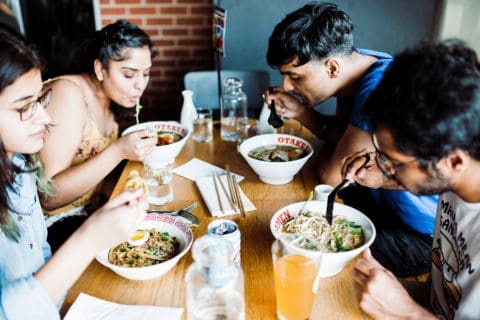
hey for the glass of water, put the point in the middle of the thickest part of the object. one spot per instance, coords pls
(158, 176)
(203, 125)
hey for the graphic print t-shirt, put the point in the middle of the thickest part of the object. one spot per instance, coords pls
(456, 259)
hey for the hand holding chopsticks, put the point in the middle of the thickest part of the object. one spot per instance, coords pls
(343, 184)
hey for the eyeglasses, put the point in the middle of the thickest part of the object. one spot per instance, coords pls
(388, 166)
(30, 109)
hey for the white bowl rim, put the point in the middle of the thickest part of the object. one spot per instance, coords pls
(244, 152)
(366, 244)
(102, 257)
(141, 126)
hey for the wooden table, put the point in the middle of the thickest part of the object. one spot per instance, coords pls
(335, 300)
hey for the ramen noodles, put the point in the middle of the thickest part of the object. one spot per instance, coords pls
(164, 138)
(277, 153)
(159, 247)
(313, 232)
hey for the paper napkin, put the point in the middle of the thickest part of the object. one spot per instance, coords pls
(87, 307)
(196, 169)
(206, 185)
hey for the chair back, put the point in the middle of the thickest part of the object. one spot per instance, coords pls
(204, 85)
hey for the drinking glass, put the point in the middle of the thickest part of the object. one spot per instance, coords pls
(203, 125)
(246, 128)
(296, 283)
(158, 176)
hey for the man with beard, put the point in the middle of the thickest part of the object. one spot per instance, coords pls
(426, 116)
(312, 48)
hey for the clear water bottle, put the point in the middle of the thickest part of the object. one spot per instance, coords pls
(233, 108)
(214, 282)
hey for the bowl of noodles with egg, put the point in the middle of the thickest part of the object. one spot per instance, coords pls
(171, 137)
(310, 235)
(156, 247)
(276, 158)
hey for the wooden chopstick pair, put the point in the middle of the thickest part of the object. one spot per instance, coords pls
(235, 191)
(233, 196)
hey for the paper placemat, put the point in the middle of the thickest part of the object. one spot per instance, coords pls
(87, 307)
(196, 169)
(206, 186)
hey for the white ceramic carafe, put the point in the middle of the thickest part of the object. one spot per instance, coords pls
(188, 113)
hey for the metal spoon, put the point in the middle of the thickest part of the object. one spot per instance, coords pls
(274, 119)
(345, 183)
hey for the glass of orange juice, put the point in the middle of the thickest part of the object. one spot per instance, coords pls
(295, 284)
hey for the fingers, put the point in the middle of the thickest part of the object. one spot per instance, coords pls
(352, 163)
(124, 198)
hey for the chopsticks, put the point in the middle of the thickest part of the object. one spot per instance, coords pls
(216, 181)
(233, 194)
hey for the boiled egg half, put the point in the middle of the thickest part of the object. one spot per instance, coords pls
(139, 238)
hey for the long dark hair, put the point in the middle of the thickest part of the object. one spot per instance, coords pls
(17, 57)
(111, 43)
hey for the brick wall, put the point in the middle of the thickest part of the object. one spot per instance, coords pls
(181, 32)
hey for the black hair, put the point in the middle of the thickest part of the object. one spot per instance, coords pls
(315, 31)
(429, 99)
(111, 43)
(17, 57)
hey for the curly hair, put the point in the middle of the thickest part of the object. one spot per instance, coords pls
(429, 99)
(315, 31)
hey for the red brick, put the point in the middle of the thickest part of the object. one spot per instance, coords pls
(193, 1)
(158, 1)
(175, 32)
(173, 10)
(207, 11)
(191, 42)
(113, 11)
(190, 21)
(128, 2)
(159, 21)
(163, 42)
(176, 53)
(143, 10)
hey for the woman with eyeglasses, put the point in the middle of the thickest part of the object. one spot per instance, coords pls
(32, 281)
(83, 146)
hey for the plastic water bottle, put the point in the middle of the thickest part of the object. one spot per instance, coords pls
(188, 113)
(214, 282)
(233, 108)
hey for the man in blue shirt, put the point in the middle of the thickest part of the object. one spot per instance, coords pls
(312, 47)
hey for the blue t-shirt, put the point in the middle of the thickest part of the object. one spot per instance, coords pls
(417, 212)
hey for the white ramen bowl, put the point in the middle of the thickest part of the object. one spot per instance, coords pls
(275, 172)
(166, 152)
(161, 223)
(331, 263)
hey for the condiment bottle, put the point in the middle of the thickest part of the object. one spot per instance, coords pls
(188, 113)
(214, 282)
(233, 108)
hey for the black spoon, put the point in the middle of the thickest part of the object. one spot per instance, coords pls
(274, 119)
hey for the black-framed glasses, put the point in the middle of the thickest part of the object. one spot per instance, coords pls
(387, 165)
(30, 109)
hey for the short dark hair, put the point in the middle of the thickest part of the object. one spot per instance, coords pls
(315, 31)
(429, 99)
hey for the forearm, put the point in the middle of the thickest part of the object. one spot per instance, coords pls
(67, 264)
(75, 181)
